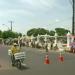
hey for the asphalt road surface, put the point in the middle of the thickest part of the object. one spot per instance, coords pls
(35, 63)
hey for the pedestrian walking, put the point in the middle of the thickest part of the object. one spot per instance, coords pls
(46, 47)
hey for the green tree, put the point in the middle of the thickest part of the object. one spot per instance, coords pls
(52, 33)
(19, 34)
(0, 34)
(61, 31)
(35, 32)
(10, 34)
(31, 32)
(42, 31)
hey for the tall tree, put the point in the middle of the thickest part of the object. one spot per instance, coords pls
(10, 34)
(0, 34)
(52, 33)
(35, 32)
(61, 31)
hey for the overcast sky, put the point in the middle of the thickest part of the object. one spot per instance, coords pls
(27, 14)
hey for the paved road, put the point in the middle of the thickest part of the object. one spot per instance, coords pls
(35, 63)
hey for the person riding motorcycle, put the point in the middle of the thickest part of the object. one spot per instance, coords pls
(14, 49)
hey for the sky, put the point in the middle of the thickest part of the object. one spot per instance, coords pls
(28, 14)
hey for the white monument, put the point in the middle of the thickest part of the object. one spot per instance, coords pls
(45, 39)
(68, 39)
(55, 41)
(32, 38)
(38, 38)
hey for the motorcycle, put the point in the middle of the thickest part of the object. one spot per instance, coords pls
(17, 59)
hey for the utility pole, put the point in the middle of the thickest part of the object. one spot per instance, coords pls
(11, 24)
(73, 18)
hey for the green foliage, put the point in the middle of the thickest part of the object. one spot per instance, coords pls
(35, 32)
(19, 34)
(31, 31)
(52, 33)
(42, 31)
(0, 34)
(9, 34)
(61, 31)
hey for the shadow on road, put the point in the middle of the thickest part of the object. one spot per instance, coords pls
(24, 67)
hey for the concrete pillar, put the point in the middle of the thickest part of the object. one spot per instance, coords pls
(55, 41)
(45, 39)
(38, 38)
(68, 39)
(32, 38)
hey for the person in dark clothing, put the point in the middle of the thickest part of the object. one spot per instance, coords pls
(51, 45)
(46, 48)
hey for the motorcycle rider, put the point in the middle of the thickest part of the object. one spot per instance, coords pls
(14, 50)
